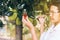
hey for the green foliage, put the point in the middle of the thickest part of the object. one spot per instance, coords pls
(11, 29)
(18, 21)
(25, 30)
(33, 21)
(14, 16)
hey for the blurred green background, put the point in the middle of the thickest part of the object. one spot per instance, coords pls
(34, 8)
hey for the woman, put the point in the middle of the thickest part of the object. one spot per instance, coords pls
(53, 33)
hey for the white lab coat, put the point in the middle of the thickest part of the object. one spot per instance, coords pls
(53, 33)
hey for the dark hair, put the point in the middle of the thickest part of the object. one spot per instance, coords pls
(55, 3)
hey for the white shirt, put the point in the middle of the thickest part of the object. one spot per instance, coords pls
(53, 33)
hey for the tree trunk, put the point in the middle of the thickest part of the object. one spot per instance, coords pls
(19, 32)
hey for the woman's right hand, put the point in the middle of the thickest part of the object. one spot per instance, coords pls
(30, 26)
(27, 22)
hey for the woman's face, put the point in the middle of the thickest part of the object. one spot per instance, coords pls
(54, 14)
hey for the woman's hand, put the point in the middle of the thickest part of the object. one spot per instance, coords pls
(41, 20)
(30, 26)
(27, 22)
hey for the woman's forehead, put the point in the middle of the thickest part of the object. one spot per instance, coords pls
(54, 8)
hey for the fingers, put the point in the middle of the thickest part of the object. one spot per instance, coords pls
(41, 19)
(25, 20)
